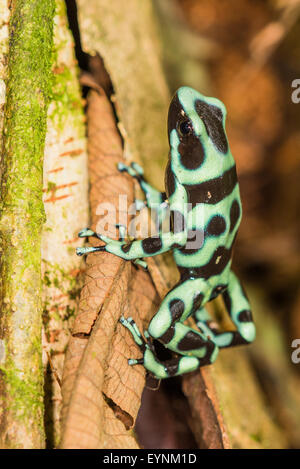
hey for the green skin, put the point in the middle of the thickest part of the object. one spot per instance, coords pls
(200, 172)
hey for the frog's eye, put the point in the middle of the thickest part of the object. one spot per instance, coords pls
(185, 128)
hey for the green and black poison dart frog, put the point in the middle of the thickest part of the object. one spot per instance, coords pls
(200, 175)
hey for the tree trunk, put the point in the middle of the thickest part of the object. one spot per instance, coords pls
(22, 217)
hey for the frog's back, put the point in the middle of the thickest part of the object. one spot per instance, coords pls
(202, 170)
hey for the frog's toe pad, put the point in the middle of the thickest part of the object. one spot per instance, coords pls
(135, 361)
(122, 167)
(80, 251)
(127, 322)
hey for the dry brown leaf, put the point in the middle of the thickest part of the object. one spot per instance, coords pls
(101, 393)
(142, 297)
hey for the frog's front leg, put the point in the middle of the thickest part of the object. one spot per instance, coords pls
(239, 310)
(154, 197)
(134, 249)
(194, 349)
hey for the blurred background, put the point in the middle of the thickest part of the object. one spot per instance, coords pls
(247, 54)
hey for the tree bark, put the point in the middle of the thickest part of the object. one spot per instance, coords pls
(65, 196)
(22, 217)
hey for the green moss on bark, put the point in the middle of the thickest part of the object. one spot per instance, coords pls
(66, 98)
(22, 215)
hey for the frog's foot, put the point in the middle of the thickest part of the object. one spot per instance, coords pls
(222, 339)
(118, 247)
(134, 170)
(87, 233)
(206, 324)
(144, 345)
(111, 245)
(159, 369)
(209, 329)
(137, 336)
(122, 235)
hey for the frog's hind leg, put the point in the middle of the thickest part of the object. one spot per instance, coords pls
(238, 308)
(160, 369)
(193, 348)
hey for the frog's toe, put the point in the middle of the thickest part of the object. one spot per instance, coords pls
(81, 251)
(130, 324)
(126, 322)
(85, 233)
(137, 168)
(141, 263)
(122, 231)
(122, 319)
(135, 361)
(122, 167)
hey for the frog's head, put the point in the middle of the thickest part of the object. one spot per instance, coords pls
(196, 129)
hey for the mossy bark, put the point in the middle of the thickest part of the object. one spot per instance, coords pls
(22, 217)
(4, 43)
(65, 188)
